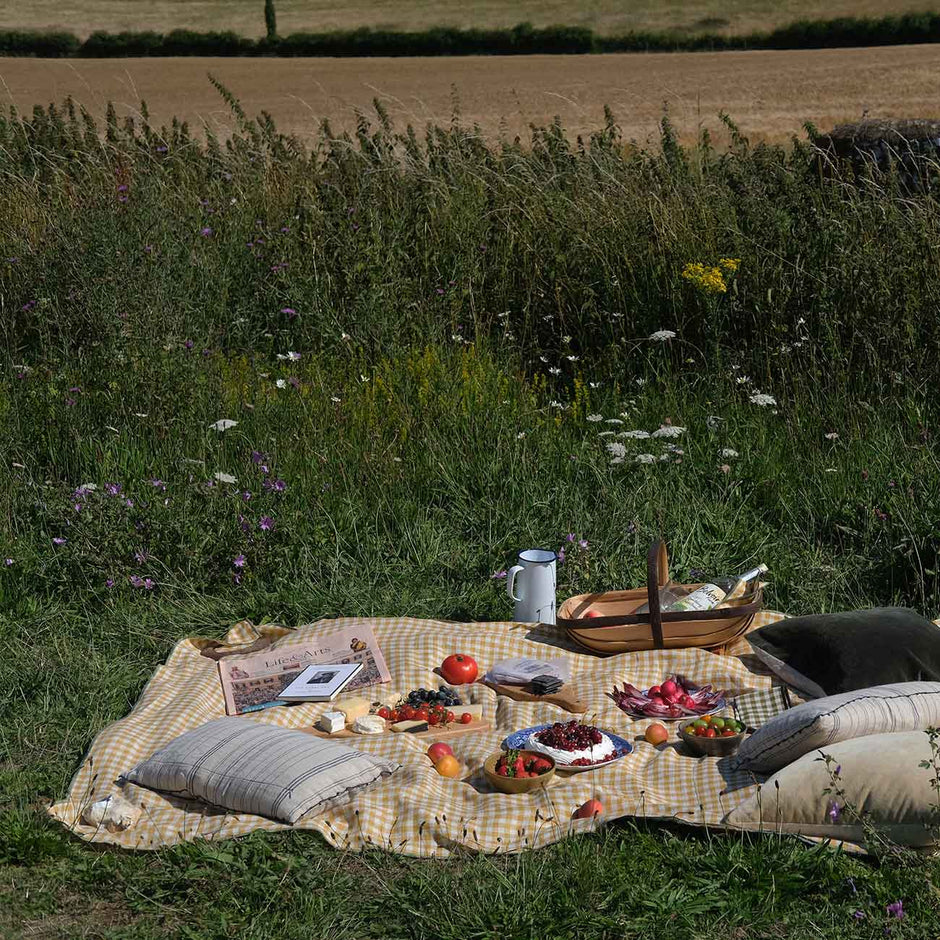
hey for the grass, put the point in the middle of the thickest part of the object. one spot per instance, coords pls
(246, 16)
(463, 315)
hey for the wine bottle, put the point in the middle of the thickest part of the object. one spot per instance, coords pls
(706, 597)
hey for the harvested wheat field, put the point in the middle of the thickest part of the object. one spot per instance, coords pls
(768, 93)
(606, 16)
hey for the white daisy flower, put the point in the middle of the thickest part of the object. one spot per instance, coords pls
(668, 430)
(644, 458)
(729, 452)
(743, 379)
(636, 435)
(224, 477)
(223, 424)
(662, 335)
(595, 418)
(281, 383)
(759, 398)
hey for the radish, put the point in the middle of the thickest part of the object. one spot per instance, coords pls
(669, 688)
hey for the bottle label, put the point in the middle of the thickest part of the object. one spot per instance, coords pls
(704, 598)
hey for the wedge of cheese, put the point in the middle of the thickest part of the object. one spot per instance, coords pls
(354, 708)
(412, 726)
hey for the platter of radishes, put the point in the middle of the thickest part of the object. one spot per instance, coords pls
(574, 747)
(674, 698)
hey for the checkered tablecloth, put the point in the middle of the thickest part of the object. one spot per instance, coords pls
(416, 811)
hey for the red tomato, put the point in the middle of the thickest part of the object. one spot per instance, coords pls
(434, 719)
(459, 669)
(394, 715)
(728, 733)
(383, 712)
(450, 717)
(710, 733)
(466, 718)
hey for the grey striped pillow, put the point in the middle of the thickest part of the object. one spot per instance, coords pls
(902, 706)
(249, 767)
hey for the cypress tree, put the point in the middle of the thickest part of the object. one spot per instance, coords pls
(270, 19)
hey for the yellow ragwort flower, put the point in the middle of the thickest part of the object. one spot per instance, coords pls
(729, 264)
(707, 279)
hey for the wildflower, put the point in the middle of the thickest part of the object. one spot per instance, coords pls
(239, 561)
(335, 399)
(140, 556)
(569, 537)
(281, 383)
(594, 384)
(520, 435)
(345, 336)
(556, 404)
(561, 556)
(279, 486)
(858, 915)
(759, 398)
(498, 575)
(290, 354)
(84, 488)
(136, 581)
(709, 280)
(363, 378)
(148, 249)
(640, 382)
(729, 264)
(109, 582)
(223, 424)
(831, 436)
(834, 811)
(141, 414)
(896, 909)
(661, 336)
(616, 449)
(554, 370)
(729, 452)
(582, 543)
(636, 435)
(595, 418)
(644, 458)
(668, 430)
(188, 344)
(158, 485)
(743, 379)
(613, 421)
(224, 477)
(59, 541)
(266, 523)
(206, 231)
(129, 503)
(572, 358)
(77, 507)
(8, 562)
(724, 468)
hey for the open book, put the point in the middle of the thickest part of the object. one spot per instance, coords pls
(256, 681)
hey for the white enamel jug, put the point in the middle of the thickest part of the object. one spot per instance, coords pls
(531, 584)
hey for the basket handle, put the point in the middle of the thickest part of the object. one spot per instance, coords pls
(657, 574)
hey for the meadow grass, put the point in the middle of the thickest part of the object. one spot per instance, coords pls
(473, 334)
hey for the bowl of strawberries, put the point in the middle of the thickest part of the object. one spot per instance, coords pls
(518, 771)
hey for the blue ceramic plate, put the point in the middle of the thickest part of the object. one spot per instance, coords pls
(518, 740)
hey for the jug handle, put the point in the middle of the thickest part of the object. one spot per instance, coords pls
(511, 581)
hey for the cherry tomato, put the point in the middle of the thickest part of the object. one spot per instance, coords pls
(383, 712)
(394, 715)
(451, 717)
(710, 733)
(728, 733)
(434, 719)
(466, 718)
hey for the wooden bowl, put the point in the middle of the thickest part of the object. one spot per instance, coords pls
(711, 747)
(517, 784)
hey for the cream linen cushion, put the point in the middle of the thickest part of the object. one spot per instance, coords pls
(249, 767)
(903, 706)
(881, 776)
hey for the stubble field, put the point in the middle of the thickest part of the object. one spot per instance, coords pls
(607, 16)
(770, 93)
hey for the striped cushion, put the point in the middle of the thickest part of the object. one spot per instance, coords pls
(903, 706)
(248, 767)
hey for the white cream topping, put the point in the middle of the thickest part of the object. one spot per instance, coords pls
(598, 752)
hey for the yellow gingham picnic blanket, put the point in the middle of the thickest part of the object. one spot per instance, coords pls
(416, 811)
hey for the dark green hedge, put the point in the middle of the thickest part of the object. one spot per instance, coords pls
(523, 39)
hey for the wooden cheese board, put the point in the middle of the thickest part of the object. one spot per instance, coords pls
(435, 733)
(563, 698)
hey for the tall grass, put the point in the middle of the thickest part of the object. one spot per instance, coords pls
(473, 327)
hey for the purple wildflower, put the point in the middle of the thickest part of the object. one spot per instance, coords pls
(583, 543)
(59, 541)
(109, 582)
(834, 811)
(256, 456)
(129, 503)
(266, 523)
(561, 556)
(264, 468)
(897, 909)
(148, 249)
(77, 507)
(140, 556)
(498, 574)
(858, 915)
(279, 486)
(162, 148)
(112, 489)
(122, 198)
(246, 495)
(136, 581)
(290, 312)
(569, 537)
(69, 402)
(293, 382)
(158, 484)
(29, 305)
(148, 584)
(206, 231)
(239, 561)
(188, 344)
(8, 562)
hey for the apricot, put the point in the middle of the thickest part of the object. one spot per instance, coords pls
(448, 766)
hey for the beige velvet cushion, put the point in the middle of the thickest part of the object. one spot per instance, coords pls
(902, 706)
(881, 776)
(249, 767)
